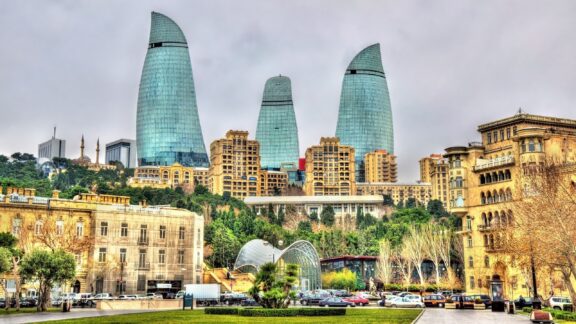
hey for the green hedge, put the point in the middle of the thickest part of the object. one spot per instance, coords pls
(221, 310)
(556, 314)
(284, 312)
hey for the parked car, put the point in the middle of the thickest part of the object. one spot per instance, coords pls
(562, 303)
(434, 300)
(342, 293)
(405, 293)
(408, 302)
(2, 302)
(389, 300)
(335, 302)
(127, 297)
(180, 294)
(357, 300)
(485, 299)
(154, 296)
(103, 296)
(312, 299)
(523, 302)
(446, 293)
(249, 302)
(231, 298)
(463, 301)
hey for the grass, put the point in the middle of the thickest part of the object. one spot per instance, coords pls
(24, 310)
(557, 321)
(355, 316)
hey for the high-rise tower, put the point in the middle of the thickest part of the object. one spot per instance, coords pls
(365, 115)
(168, 126)
(277, 132)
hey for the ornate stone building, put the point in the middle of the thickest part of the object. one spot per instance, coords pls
(484, 180)
(118, 248)
(434, 170)
(399, 192)
(380, 166)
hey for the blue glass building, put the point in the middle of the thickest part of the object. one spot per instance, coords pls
(365, 115)
(168, 127)
(277, 132)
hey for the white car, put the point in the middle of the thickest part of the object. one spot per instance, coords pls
(154, 296)
(562, 303)
(389, 300)
(103, 296)
(127, 297)
(408, 302)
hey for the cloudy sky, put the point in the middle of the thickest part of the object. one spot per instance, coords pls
(450, 65)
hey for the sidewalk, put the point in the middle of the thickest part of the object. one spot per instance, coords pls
(453, 316)
(75, 313)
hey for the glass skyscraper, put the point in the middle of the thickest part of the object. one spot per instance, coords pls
(277, 132)
(365, 115)
(168, 127)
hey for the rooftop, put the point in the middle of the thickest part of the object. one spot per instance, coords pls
(375, 199)
(528, 118)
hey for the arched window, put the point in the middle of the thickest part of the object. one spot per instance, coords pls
(482, 179)
(500, 176)
(510, 218)
(508, 194)
(507, 175)
(485, 240)
(523, 146)
(496, 197)
(488, 178)
(468, 223)
(490, 219)
(38, 227)
(491, 241)
(484, 219)
(489, 198)
(483, 198)
(496, 218)
(502, 195)
(470, 262)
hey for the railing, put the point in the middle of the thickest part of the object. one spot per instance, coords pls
(485, 227)
(143, 240)
(142, 265)
(505, 160)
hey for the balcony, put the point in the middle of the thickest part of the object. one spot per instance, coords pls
(485, 227)
(493, 163)
(463, 230)
(142, 265)
(143, 240)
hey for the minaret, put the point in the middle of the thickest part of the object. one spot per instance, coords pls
(98, 151)
(82, 147)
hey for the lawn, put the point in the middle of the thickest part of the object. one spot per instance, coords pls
(363, 316)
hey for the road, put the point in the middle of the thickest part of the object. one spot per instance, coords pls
(54, 316)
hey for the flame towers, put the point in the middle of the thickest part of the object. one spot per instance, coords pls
(168, 127)
(365, 115)
(277, 132)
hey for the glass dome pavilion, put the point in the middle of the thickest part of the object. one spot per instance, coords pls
(167, 122)
(365, 114)
(257, 252)
(277, 131)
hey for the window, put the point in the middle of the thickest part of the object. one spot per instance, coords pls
(104, 229)
(198, 266)
(123, 255)
(59, 227)
(143, 234)
(531, 146)
(501, 138)
(471, 262)
(78, 259)
(181, 233)
(487, 262)
(469, 241)
(79, 229)
(180, 256)
(124, 230)
(508, 133)
(199, 237)
(495, 136)
(489, 138)
(38, 228)
(472, 282)
(142, 259)
(162, 256)
(102, 255)
(16, 226)
(468, 223)
(162, 232)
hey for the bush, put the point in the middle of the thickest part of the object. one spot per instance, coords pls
(392, 287)
(449, 300)
(478, 301)
(221, 310)
(527, 309)
(414, 288)
(285, 312)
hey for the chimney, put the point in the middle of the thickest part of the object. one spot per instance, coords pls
(55, 194)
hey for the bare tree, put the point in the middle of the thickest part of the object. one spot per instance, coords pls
(385, 262)
(431, 234)
(402, 259)
(415, 251)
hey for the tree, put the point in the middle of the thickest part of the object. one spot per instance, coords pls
(272, 289)
(436, 208)
(401, 258)
(314, 217)
(305, 226)
(9, 243)
(411, 203)
(225, 245)
(388, 201)
(359, 218)
(344, 279)
(414, 250)
(47, 268)
(327, 216)
(384, 264)
(433, 246)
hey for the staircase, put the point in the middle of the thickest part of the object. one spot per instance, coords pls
(238, 282)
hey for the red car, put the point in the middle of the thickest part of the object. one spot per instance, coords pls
(357, 300)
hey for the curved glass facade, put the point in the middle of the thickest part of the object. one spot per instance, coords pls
(257, 252)
(365, 115)
(277, 132)
(168, 127)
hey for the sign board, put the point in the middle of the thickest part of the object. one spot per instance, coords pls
(163, 286)
(11, 286)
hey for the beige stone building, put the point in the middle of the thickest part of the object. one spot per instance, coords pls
(272, 183)
(434, 169)
(380, 166)
(118, 248)
(235, 165)
(330, 169)
(171, 176)
(484, 179)
(399, 192)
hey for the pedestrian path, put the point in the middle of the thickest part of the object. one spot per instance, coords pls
(54, 316)
(452, 316)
